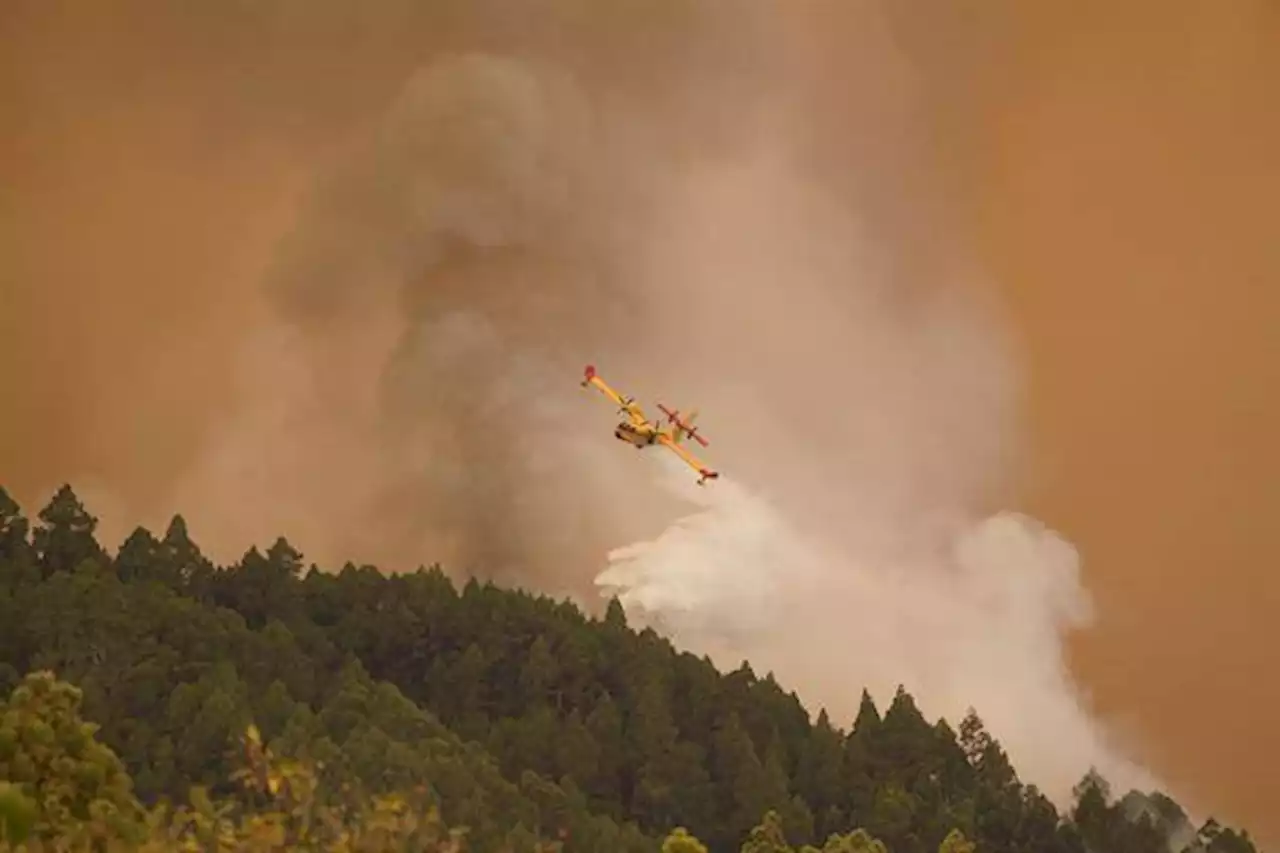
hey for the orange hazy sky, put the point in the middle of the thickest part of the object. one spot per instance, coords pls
(1126, 193)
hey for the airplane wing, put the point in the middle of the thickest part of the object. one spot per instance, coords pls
(626, 404)
(689, 459)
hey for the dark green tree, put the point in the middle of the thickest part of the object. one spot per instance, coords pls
(138, 557)
(745, 786)
(606, 727)
(820, 776)
(519, 713)
(64, 537)
(17, 558)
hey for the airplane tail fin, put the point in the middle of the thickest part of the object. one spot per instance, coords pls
(686, 427)
(682, 425)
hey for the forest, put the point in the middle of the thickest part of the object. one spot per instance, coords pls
(152, 700)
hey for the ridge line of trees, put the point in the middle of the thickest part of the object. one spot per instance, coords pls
(520, 717)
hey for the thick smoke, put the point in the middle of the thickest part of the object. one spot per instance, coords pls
(418, 299)
(982, 617)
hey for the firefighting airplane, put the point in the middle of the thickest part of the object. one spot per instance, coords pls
(642, 432)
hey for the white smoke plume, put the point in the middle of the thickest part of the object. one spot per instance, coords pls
(864, 438)
(982, 621)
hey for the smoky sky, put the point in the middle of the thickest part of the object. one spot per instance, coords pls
(1123, 193)
(331, 270)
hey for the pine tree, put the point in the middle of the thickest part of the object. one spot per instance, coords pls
(538, 674)
(740, 775)
(64, 538)
(1093, 814)
(906, 748)
(138, 556)
(186, 568)
(867, 723)
(767, 836)
(652, 739)
(819, 776)
(18, 565)
(575, 753)
(974, 738)
(606, 727)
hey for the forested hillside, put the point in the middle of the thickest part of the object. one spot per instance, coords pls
(520, 717)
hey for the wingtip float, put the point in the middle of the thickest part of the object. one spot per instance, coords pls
(640, 432)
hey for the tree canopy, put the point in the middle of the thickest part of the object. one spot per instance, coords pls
(153, 696)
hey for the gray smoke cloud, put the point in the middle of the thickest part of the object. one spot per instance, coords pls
(442, 284)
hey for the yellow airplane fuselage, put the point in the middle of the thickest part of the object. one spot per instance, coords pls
(640, 436)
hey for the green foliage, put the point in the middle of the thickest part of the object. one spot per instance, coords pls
(514, 715)
(52, 759)
(955, 842)
(281, 805)
(680, 841)
(64, 537)
(858, 841)
(18, 814)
